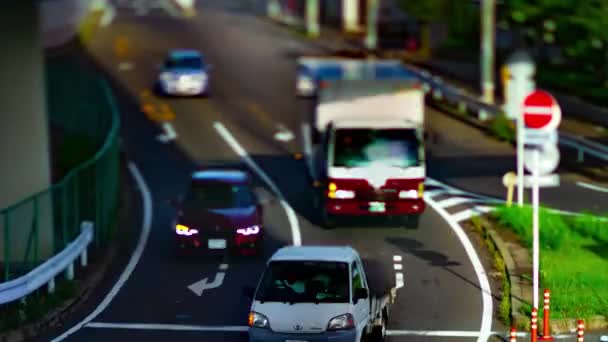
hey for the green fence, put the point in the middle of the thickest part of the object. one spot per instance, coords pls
(43, 224)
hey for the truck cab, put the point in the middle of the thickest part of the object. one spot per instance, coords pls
(316, 293)
(370, 156)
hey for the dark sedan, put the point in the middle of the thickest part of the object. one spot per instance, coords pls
(220, 211)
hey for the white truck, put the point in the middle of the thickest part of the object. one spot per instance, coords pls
(368, 151)
(318, 293)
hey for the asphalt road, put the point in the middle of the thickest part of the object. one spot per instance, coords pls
(252, 84)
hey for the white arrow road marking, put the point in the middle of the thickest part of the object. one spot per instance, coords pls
(168, 135)
(200, 286)
(283, 134)
(592, 187)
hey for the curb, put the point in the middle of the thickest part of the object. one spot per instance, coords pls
(521, 288)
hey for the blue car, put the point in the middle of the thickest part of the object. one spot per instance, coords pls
(184, 73)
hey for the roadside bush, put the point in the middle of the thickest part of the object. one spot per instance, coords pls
(503, 128)
(591, 226)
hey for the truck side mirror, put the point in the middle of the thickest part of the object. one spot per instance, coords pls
(360, 294)
(249, 292)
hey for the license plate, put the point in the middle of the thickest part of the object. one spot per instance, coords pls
(377, 207)
(216, 244)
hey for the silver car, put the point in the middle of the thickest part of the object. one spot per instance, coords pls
(184, 73)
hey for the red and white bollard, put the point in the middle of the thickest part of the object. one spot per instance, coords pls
(546, 330)
(512, 335)
(534, 326)
(580, 331)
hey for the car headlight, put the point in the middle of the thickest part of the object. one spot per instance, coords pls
(180, 229)
(200, 77)
(257, 320)
(411, 194)
(166, 77)
(342, 322)
(253, 230)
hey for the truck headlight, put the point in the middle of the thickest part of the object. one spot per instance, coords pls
(342, 322)
(180, 229)
(253, 230)
(257, 320)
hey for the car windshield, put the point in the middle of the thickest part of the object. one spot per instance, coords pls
(217, 195)
(184, 63)
(376, 147)
(305, 282)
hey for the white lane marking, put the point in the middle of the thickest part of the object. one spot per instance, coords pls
(454, 201)
(486, 291)
(170, 327)
(168, 135)
(125, 66)
(239, 150)
(468, 213)
(399, 280)
(200, 286)
(223, 267)
(307, 142)
(592, 187)
(433, 193)
(397, 258)
(135, 257)
(109, 14)
(455, 191)
(398, 267)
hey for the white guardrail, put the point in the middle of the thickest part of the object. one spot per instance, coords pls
(47, 272)
(441, 91)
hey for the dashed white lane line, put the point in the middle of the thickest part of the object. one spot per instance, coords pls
(241, 152)
(399, 278)
(592, 187)
(468, 213)
(397, 258)
(135, 257)
(454, 201)
(486, 291)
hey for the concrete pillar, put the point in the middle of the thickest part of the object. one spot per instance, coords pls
(350, 16)
(312, 18)
(24, 137)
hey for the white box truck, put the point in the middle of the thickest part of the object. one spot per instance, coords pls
(368, 151)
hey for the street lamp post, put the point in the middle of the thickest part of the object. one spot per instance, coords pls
(488, 33)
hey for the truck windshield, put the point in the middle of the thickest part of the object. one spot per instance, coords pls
(361, 147)
(305, 282)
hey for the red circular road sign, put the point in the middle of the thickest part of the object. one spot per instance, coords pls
(541, 111)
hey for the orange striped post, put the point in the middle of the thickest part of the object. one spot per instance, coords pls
(512, 335)
(580, 331)
(534, 326)
(546, 333)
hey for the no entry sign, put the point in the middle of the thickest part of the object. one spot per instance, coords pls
(541, 111)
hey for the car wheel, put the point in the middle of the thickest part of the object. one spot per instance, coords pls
(411, 221)
(328, 221)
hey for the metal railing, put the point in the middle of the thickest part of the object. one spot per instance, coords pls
(43, 225)
(466, 103)
(15, 289)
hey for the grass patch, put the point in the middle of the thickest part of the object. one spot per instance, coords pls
(37, 304)
(574, 259)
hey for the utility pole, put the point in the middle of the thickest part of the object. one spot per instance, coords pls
(488, 34)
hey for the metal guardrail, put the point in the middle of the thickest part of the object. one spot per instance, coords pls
(47, 272)
(443, 92)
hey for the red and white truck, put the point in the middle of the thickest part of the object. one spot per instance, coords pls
(368, 151)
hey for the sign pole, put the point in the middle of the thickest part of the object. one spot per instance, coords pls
(520, 159)
(535, 229)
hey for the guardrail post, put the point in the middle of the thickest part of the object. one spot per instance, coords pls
(580, 331)
(69, 273)
(482, 115)
(51, 285)
(437, 95)
(580, 155)
(426, 87)
(462, 107)
(513, 335)
(84, 255)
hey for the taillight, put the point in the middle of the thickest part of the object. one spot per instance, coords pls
(180, 229)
